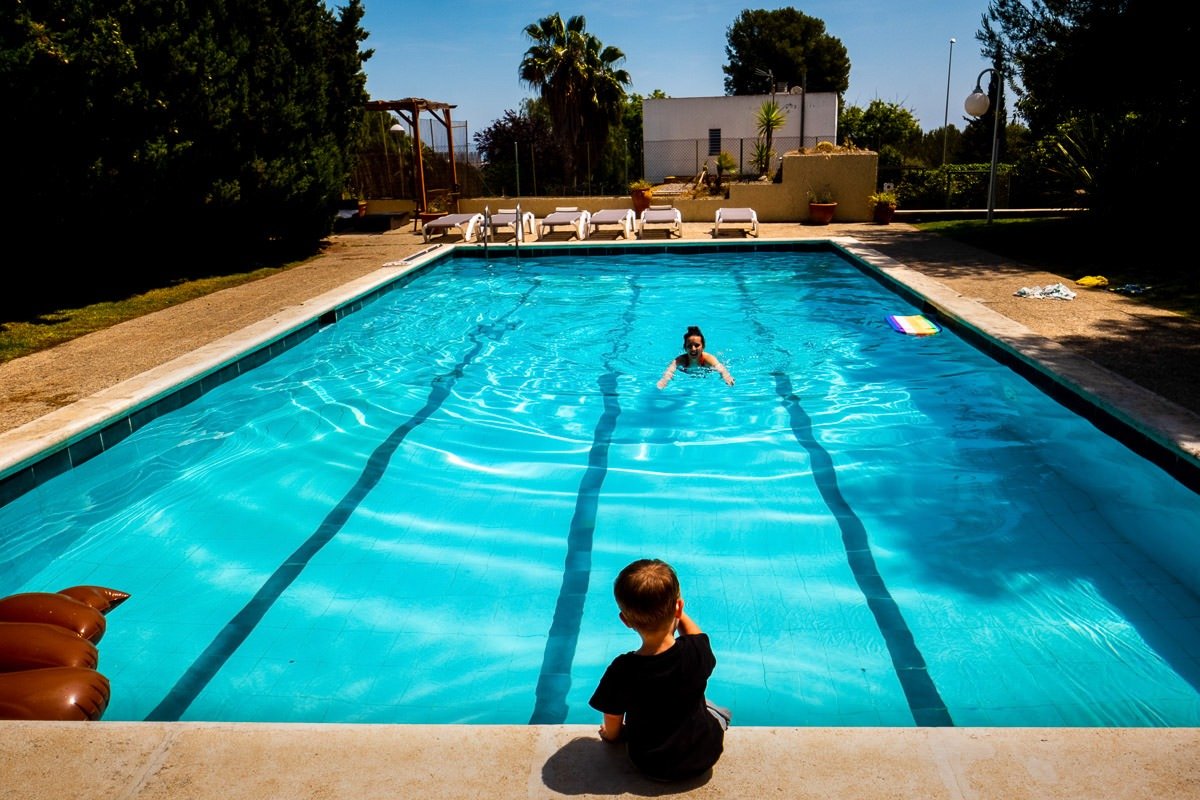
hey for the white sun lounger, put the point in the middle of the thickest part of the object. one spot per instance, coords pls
(467, 223)
(615, 216)
(568, 217)
(662, 215)
(507, 218)
(745, 218)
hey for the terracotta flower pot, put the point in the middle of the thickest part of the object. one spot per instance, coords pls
(884, 212)
(821, 213)
(641, 199)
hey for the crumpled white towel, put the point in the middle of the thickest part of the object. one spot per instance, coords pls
(1055, 291)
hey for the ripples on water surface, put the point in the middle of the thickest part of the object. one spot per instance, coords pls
(460, 440)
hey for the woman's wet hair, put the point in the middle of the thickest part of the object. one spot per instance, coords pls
(694, 330)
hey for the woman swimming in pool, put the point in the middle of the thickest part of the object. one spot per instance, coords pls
(694, 356)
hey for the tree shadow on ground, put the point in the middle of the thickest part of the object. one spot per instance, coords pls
(1118, 345)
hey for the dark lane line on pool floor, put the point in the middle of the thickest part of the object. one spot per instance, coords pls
(554, 679)
(924, 701)
(235, 632)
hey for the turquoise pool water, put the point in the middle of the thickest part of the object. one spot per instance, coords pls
(416, 515)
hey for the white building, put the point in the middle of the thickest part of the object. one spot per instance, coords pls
(681, 134)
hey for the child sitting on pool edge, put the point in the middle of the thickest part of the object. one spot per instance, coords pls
(653, 697)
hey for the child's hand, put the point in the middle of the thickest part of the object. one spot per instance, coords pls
(613, 727)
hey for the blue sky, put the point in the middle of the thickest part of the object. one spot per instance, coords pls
(468, 53)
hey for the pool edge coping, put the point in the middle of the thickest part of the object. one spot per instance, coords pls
(231, 761)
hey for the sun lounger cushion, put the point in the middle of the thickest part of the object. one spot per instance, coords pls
(736, 216)
(468, 223)
(566, 216)
(615, 216)
(663, 215)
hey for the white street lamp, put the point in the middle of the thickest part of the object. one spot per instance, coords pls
(977, 104)
(946, 118)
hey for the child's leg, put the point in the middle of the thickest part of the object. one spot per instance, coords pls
(722, 714)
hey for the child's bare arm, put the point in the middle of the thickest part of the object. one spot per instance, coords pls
(610, 731)
(687, 625)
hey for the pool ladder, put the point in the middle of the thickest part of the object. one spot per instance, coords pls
(519, 229)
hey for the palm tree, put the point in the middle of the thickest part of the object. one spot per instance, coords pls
(578, 79)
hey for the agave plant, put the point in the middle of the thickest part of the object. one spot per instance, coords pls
(770, 118)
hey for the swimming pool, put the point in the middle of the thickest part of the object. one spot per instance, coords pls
(416, 514)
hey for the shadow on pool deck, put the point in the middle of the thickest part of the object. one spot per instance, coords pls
(258, 760)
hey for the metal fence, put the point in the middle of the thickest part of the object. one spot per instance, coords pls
(387, 171)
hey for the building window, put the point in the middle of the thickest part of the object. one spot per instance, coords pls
(714, 141)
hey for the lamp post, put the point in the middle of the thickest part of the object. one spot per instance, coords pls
(946, 118)
(977, 104)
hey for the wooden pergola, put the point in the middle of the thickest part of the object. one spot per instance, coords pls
(409, 109)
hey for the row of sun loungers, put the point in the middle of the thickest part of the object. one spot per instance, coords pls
(580, 223)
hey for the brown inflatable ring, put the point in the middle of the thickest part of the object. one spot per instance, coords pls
(34, 645)
(56, 693)
(100, 598)
(55, 609)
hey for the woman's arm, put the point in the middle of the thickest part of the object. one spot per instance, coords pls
(610, 731)
(670, 373)
(711, 361)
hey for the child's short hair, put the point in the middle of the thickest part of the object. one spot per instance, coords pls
(646, 592)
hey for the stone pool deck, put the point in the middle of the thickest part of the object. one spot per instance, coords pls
(251, 761)
(1140, 360)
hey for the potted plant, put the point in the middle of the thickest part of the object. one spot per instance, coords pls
(883, 206)
(640, 192)
(821, 205)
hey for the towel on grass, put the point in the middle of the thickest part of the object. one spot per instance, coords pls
(1055, 291)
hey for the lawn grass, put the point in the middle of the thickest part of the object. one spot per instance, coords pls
(47, 329)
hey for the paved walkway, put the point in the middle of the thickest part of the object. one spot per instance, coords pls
(1149, 348)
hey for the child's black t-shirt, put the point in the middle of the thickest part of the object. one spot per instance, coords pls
(668, 728)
